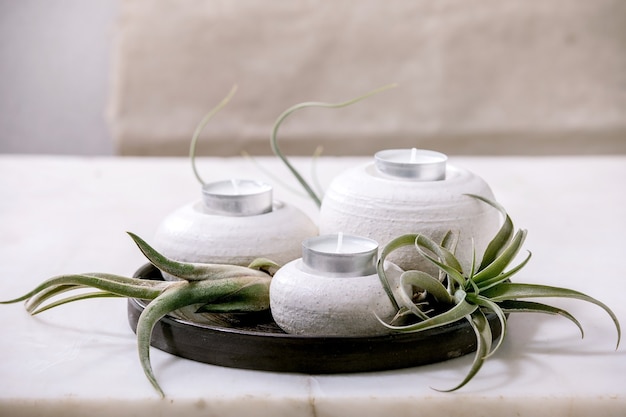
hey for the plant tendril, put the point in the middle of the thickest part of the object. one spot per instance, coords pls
(275, 178)
(201, 125)
(274, 142)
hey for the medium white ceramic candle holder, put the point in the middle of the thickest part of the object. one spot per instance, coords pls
(333, 290)
(411, 191)
(236, 222)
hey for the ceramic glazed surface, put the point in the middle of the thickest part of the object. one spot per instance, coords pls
(194, 234)
(366, 202)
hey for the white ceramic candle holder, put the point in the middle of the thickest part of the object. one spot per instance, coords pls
(333, 290)
(235, 223)
(426, 196)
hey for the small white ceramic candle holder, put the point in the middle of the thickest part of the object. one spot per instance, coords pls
(236, 222)
(411, 191)
(333, 290)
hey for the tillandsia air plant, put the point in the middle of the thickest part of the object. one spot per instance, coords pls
(202, 287)
(456, 294)
(207, 288)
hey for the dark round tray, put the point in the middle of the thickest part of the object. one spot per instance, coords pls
(254, 341)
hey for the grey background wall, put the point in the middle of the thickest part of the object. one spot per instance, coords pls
(54, 75)
(133, 77)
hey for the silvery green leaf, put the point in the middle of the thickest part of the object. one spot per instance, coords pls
(495, 308)
(230, 293)
(265, 265)
(498, 279)
(114, 284)
(517, 306)
(78, 297)
(274, 135)
(513, 291)
(480, 324)
(503, 260)
(501, 239)
(461, 309)
(449, 264)
(401, 241)
(425, 282)
(191, 271)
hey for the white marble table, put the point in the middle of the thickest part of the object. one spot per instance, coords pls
(66, 214)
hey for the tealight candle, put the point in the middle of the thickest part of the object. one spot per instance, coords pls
(414, 164)
(237, 197)
(340, 255)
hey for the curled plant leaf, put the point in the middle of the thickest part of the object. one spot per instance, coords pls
(459, 310)
(113, 285)
(479, 323)
(502, 237)
(201, 125)
(507, 292)
(516, 306)
(424, 281)
(274, 141)
(490, 305)
(265, 265)
(208, 288)
(485, 289)
(188, 270)
(397, 243)
(235, 294)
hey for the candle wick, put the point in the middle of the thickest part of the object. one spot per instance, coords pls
(339, 242)
(235, 184)
(413, 155)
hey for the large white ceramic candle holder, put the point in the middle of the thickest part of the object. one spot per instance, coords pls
(411, 191)
(235, 222)
(333, 290)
